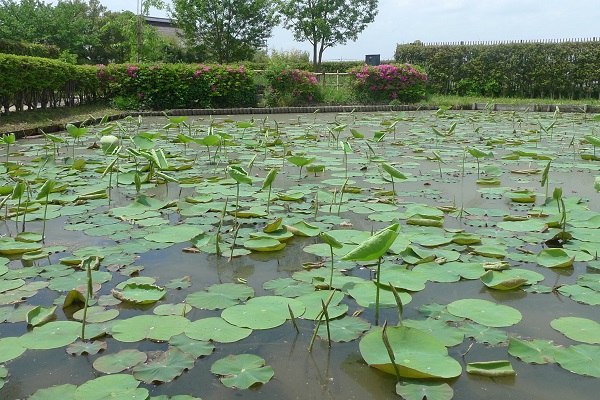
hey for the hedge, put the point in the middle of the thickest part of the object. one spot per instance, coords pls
(34, 81)
(17, 48)
(555, 70)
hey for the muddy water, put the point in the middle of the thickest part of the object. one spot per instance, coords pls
(339, 372)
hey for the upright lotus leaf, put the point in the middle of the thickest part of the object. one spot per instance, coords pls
(76, 132)
(300, 161)
(580, 329)
(268, 183)
(375, 246)
(554, 258)
(164, 368)
(410, 389)
(121, 386)
(417, 354)
(491, 368)
(485, 312)
(582, 359)
(242, 370)
(239, 174)
(109, 144)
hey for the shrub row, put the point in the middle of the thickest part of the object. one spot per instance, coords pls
(165, 86)
(388, 82)
(556, 70)
(17, 48)
(34, 81)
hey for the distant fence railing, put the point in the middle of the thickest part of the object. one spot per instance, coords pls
(494, 42)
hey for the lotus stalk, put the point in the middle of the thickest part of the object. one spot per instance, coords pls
(333, 243)
(394, 173)
(44, 193)
(240, 175)
(269, 183)
(8, 139)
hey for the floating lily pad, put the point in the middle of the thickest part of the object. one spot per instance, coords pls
(164, 368)
(175, 234)
(344, 329)
(491, 368)
(417, 354)
(10, 348)
(536, 351)
(139, 293)
(220, 296)
(66, 391)
(263, 244)
(118, 362)
(9, 246)
(263, 312)
(485, 312)
(288, 287)
(121, 386)
(197, 348)
(365, 293)
(582, 359)
(91, 348)
(216, 329)
(411, 389)
(242, 370)
(449, 335)
(51, 335)
(154, 327)
(484, 334)
(554, 258)
(40, 315)
(580, 329)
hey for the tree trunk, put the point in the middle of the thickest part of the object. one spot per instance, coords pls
(315, 65)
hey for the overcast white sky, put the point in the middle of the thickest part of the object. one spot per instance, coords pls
(404, 21)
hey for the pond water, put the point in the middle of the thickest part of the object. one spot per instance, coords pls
(435, 153)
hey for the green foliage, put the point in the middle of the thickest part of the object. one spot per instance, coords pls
(28, 80)
(388, 82)
(225, 31)
(556, 70)
(291, 87)
(19, 48)
(326, 23)
(166, 86)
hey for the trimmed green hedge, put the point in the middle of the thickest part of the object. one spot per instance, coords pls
(164, 86)
(28, 49)
(555, 70)
(32, 80)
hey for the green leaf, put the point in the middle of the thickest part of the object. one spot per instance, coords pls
(395, 173)
(485, 312)
(118, 362)
(536, 351)
(411, 389)
(554, 258)
(582, 359)
(264, 312)
(580, 329)
(10, 348)
(242, 370)
(40, 315)
(121, 386)
(417, 354)
(491, 368)
(154, 327)
(164, 368)
(239, 174)
(270, 178)
(375, 246)
(216, 329)
(139, 293)
(66, 392)
(51, 335)
(220, 296)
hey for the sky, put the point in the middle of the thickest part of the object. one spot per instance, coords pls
(404, 21)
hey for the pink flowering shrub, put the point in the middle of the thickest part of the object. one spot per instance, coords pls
(389, 82)
(291, 87)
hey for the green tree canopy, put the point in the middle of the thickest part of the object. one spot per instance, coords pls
(225, 30)
(326, 23)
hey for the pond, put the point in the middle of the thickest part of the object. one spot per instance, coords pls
(204, 247)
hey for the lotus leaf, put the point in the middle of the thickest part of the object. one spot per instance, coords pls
(220, 296)
(153, 327)
(216, 329)
(264, 244)
(40, 315)
(536, 351)
(175, 234)
(484, 334)
(417, 354)
(118, 362)
(164, 368)
(139, 293)
(91, 348)
(66, 391)
(197, 348)
(485, 312)
(554, 258)
(344, 329)
(449, 335)
(411, 389)
(242, 370)
(365, 292)
(375, 246)
(263, 312)
(582, 359)
(10, 348)
(580, 329)
(122, 386)
(51, 335)
(491, 368)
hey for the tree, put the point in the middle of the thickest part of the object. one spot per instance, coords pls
(225, 30)
(326, 23)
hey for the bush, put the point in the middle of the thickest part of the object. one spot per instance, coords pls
(165, 86)
(388, 82)
(291, 87)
